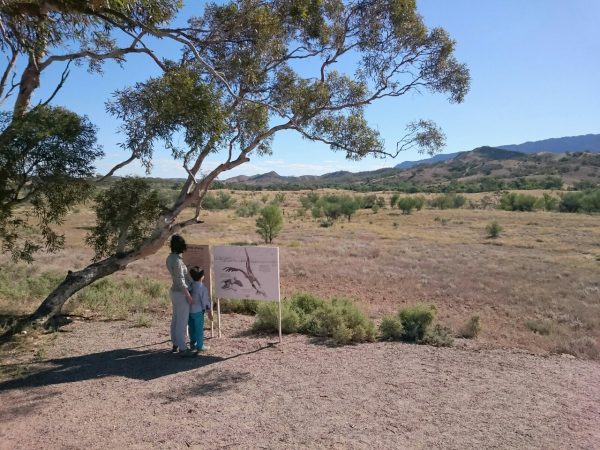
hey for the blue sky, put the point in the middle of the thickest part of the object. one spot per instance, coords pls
(534, 68)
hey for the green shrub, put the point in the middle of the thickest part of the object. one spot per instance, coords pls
(248, 208)
(415, 321)
(512, 201)
(549, 202)
(493, 229)
(391, 329)
(406, 204)
(394, 199)
(331, 319)
(338, 319)
(438, 336)
(470, 328)
(222, 200)
(419, 202)
(590, 202)
(570, 202)
(267, 318)
(448, 201)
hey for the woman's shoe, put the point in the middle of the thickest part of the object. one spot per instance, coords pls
(175, 349)
(186, 353)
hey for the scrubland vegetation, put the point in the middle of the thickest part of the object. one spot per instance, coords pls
(356, 268)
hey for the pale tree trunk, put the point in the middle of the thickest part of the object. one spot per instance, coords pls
(74, 282)
(30, 81)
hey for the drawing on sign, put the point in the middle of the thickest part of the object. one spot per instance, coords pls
(231, 283)
(246, 272)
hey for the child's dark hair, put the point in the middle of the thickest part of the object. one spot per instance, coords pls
(196, 273)
(178, 244)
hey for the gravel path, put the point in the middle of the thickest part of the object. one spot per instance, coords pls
(107, 385)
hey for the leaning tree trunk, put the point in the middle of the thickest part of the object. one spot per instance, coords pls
(75, 281)
(52, 305)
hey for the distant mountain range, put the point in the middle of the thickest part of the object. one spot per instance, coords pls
(586, 142)
(573, 159)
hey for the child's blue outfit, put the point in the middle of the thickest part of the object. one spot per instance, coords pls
(201, 303)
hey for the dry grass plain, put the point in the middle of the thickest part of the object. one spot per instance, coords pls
(114, 384)
(536, 287)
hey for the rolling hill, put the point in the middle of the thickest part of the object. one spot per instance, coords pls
(586, 142)
(481, 169)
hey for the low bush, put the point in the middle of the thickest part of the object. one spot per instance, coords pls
(248, 208)
(391, 329)
(339, 319)
(414, 324)
(470, 328)
(512, 201)
(549, 202)
(438, 336)
(222, 200)
(415, 321)
(448, 201)
(407, 204)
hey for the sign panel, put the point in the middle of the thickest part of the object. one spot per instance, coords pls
(246, 272)
(199, 255)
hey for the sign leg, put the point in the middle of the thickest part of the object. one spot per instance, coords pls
(219, 316)
(280, 321)
(212, 322)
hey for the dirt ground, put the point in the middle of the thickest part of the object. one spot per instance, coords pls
(109, 385)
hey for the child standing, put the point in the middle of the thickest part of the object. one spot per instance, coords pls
(201, 303)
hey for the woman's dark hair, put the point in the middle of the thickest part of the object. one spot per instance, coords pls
(196, 273)
(178, 244)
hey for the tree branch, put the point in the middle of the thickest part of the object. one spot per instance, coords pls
(118, 166)
(63, 78)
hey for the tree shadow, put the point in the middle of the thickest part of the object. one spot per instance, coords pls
(133, 363)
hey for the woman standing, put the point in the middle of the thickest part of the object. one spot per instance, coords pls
(180, 295)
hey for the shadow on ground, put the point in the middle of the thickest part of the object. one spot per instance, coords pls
(133, 363)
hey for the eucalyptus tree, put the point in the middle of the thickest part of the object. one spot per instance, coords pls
(249, 70)
(47, 152)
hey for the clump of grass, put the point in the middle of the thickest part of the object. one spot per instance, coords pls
(471, 328)
(543, 327)
(493, 230)
(142, 320)
(338, 319)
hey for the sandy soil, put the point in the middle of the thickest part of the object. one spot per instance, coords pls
(107, 385)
